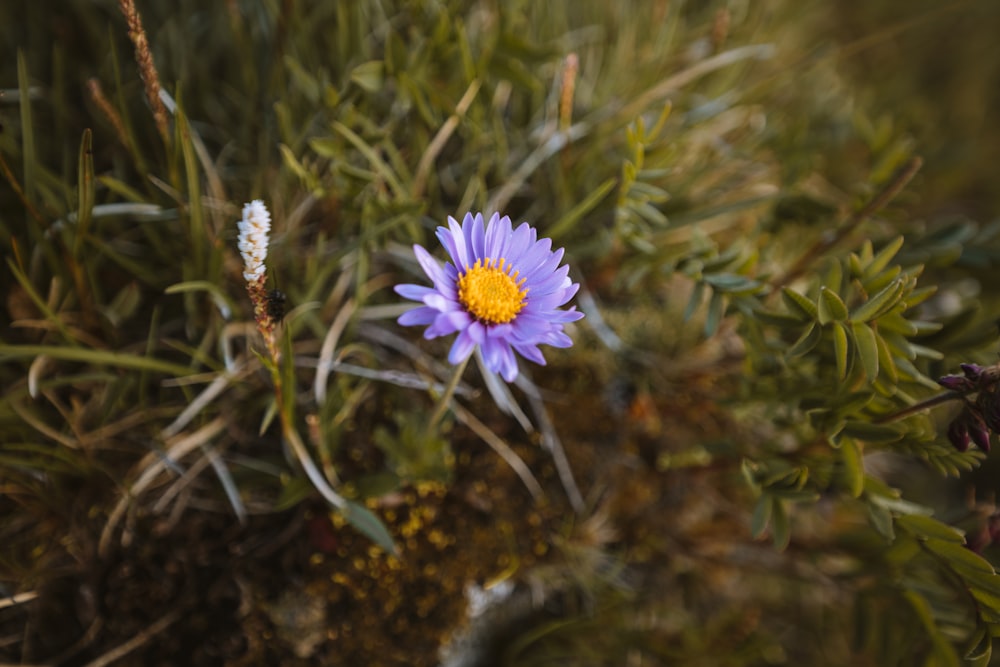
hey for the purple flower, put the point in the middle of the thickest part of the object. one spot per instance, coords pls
(501, 291)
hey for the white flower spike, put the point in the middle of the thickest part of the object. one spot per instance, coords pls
(254, 227)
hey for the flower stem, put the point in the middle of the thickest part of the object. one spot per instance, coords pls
(445, 399)
(919, 407)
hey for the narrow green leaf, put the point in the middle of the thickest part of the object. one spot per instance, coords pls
(124, 304)
(301, 80)
(39, 301)
(881, 520)
(985, 581)
(834, 276)
(761, 515)
(369, 76)
(854, 265)
(716, 305)
(831, 307)
(864, 340)
(98, 357)
(732, 282)
(895, 322)
(294, 490)
(370, 154)
(878, 283)
(867, 252)
(927, 352)
(919, 295)
(884, 256)
(365, 521)
(196, 215)
(779, 319)
(987, 601)
(806, 342)
(286, 372)
(221, 299)
(898, 505)
(854, 472)
(887, 365)
(925, 527)
(85, 190)
(881, 302)
(798, 304)
(27, 128)
(840, 349)
(876, 487)
(749, 470)
(901, 552)
(980, 646)
(872, 433)
(697, 295)
(574, 215)
(270, 413)
(923, 609)
(959, 558)
(649, 213)
(292, 162)
(327, 147)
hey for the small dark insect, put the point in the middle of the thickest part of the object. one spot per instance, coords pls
(276, 304)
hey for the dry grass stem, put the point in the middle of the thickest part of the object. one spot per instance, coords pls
(147, 68)
(110, 113)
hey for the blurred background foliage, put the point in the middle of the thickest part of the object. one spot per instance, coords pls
(782, 217)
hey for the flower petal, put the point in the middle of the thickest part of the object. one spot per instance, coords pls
(528, 325)
(555, 280)
(529, 352)
(492, 350)
(535, 255)
(430, 266)
(447, 239)
(499, 330)
(508, 364)
(520, 240)
(548, 302)
(498, 233)
(413, 292)
(475, 236)
(447, 323)
(461, 253)
(439, 302)
(476, 331)
(556, 339)
(461, 348)
(419, 315)
(561, 316)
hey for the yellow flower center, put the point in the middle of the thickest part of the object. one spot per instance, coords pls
(490, 293)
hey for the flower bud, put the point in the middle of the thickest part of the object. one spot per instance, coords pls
(980, 436)
(956, 383)
(958, 433)
(972, 371)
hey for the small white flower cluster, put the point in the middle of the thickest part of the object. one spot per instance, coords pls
(254, 226)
